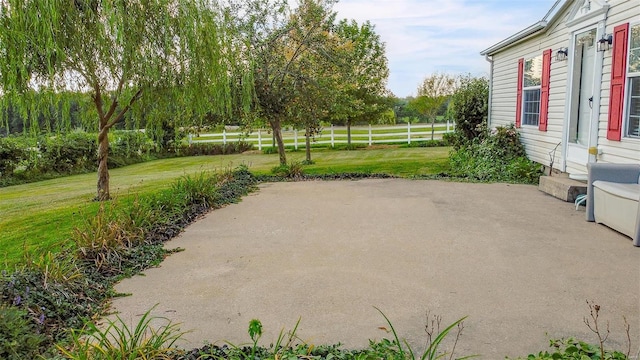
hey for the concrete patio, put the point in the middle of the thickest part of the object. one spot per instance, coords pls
(519, 263)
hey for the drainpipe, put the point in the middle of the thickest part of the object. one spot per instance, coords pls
(490, 60)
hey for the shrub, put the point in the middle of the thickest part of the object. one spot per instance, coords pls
(499, 156)
(469, 109)
(128, 147)
(19, 337)
(67, 153)
(15, 151)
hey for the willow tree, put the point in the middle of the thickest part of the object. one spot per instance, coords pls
(124, 53)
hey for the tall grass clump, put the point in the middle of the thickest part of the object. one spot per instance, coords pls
(117, 340)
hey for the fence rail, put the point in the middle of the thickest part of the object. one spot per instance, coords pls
(333, 135)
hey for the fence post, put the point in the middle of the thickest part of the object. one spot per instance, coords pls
(332, 138)
(370, 140)
(295, 138)
(447, 125)
(224, 136)
(409, 132)
(190, 139)
(259, 139)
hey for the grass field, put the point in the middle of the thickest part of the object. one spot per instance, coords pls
(42, 215)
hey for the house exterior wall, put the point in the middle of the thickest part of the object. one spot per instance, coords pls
(541, 144)
(627, 150)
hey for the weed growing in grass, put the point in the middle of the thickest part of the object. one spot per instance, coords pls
(119, 341)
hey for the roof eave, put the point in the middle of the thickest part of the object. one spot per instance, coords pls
(540, 25)
(552, 15)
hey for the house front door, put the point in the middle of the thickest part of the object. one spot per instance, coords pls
(582, 116)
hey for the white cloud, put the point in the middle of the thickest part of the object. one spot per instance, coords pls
(425, 36)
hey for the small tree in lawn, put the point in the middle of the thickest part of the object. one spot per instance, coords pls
(433, 93)
(364, 74)
(277, 40)
(166, 52)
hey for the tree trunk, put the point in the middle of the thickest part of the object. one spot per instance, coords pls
(103, 170)
(308, 143)
(433, 121)
(277, 134)
(349, 133)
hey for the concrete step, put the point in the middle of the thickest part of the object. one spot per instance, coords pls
(561, 187)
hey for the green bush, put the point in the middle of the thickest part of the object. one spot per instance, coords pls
(15, 151)
(68, 153)
(128, 147)
(499, 156)
(468, 109)
(19, 336)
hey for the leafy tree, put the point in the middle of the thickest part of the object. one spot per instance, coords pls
(433, 93)
(125, 54)
(278, 42)
(363, 93)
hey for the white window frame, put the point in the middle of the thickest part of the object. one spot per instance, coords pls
(629, 77)
(531, 89)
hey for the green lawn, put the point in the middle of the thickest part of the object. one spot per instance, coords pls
(41, 215)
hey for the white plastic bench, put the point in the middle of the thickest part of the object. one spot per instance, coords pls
(613, 197)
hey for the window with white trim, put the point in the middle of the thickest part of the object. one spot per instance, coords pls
(532, 78)
(632, 128)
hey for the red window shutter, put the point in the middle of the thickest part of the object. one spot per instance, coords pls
(618, 77)
(544, 90)
(519, 93)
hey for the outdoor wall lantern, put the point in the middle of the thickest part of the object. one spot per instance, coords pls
(604, 44)
(561, 54)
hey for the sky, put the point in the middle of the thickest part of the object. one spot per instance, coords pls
(427, 36)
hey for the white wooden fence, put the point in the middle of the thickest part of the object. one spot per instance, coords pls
(333, 135)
